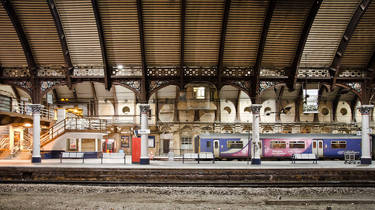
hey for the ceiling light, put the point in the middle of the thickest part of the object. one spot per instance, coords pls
(120, 67)
(27, 125)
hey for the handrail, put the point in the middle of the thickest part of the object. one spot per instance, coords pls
(23, 108)
(73, 124)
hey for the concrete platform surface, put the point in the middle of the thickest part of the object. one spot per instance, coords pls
(177, 164)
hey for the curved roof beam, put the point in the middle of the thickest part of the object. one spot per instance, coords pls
(256, 71)
(99, 25)
(21, 36)
(182, 42)
(371, 66)
(292, 77)
(359, 12)
(144, 85)
(62, 38)
(222, 41)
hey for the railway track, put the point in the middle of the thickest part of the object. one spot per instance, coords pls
(203, 184)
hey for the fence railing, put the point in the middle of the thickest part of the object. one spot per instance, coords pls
(73, 124)
(24, 108)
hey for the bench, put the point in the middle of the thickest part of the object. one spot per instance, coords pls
(113, 156)
(72, 155)
(304, 157)
(198, 156)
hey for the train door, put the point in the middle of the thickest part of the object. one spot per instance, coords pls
(317, 147)
(216, 148)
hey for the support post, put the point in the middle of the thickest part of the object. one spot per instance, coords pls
(255, 155)
(11, 139)
(144, 108)
(35, 108)
(365, 145)
(79, 145)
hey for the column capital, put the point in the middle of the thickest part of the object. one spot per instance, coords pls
(35, 108)
(144, 108)
(255, 108)
(365, 109)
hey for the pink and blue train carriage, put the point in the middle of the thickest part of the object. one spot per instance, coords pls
(279, 146)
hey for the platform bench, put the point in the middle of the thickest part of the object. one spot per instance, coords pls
(72, 155)
(113, 156)
(304, 157)
(199, 156)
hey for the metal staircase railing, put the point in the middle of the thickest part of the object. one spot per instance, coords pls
(73, 125)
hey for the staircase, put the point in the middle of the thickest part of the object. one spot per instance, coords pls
(73, 124)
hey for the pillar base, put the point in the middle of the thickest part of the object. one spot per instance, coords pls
(36, 160)
(144, 161)
(255, 161)
(366, 161)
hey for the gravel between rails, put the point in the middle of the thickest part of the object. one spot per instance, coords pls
(49, 196)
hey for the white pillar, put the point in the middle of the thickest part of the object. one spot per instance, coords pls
(11, 139)
(144, 133)
(79, 145)
(256, 145)
(21, 139)
(60, 114)
(365, 145)
(96, 145)
(35, 108)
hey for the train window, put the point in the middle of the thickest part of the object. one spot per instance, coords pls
(296, 144)
(278, 144)
(338, 144)
(208, 144)
(234, 144)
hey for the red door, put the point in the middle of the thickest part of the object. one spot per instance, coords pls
(136, 150)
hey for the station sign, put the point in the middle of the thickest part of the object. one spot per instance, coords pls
(146, 131)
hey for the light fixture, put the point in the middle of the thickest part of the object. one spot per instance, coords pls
(120, 66)
(27, 125)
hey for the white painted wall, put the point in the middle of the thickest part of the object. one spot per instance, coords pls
(245, 102)
(105, 108)
(166, 113)
(341, 107)
(226, 105)
(325, 106)
(60, 142)
(269, 105)
(288, 117)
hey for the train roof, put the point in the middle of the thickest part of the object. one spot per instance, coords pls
(281, 135)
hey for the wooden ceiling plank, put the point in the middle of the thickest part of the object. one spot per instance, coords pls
(62, 38)
(359, 12)
(106, 66)
(301, 44)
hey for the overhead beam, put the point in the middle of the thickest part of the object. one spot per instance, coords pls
(16, 93)
(279, 107)
(297, 117)
(359, 12)
(371, 67)
(222, 42)
(57, 98)
(353, 104)
(301, 44)
(256, 71)
(144, 81)
(182, 42)
(107, 68)
(320, 93)
(95, 108)
(63, 43)
(21, 36)
(335, 104)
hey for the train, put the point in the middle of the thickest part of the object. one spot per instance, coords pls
(279, 146)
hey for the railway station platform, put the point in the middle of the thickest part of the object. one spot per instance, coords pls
(270, 173)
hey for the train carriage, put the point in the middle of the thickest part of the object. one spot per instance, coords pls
(236, 146)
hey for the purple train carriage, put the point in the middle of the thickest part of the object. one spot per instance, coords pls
(279, 146)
